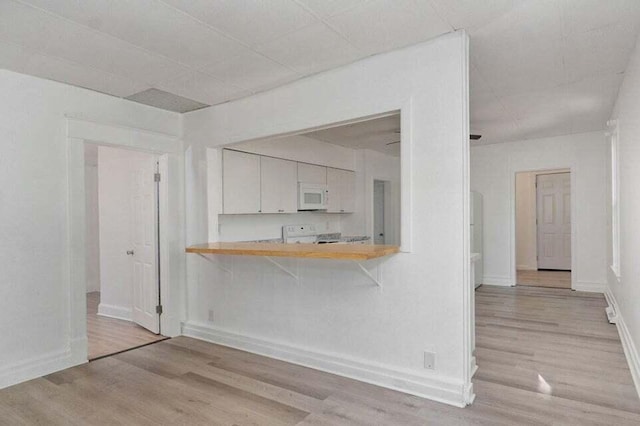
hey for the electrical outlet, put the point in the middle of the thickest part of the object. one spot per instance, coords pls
(429, 360)
(210, 315)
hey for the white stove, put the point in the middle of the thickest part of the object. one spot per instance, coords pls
(299, 234)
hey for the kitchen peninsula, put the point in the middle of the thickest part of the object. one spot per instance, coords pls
(316, 251)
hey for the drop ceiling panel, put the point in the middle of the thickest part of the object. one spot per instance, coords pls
(327, 8)
(585, 15)
(164, 100)
(599, 51)
(202, 88)
(530, 65)
(380, 134)
(152, 25)
(471, 14)
(251, 71)
(16, 58)
(381, 25)
(311, 49)
(526, 21)
(42, 32)
(250, 21)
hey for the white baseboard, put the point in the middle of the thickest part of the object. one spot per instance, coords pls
(403, 380)
(74, 354)
(630, 349)
(117, 312)
(503, 281)
(590, 286)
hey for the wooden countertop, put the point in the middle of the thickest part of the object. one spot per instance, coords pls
(315, 251)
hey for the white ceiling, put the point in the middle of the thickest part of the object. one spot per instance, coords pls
(538, 67)
(379, 134)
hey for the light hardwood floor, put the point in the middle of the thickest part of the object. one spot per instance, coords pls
(546, 356)
(551, 279)
(107, 336)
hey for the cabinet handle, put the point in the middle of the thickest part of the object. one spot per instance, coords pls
(280, 210)
(341, 211)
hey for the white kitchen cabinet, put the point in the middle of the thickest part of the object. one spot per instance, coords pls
(342, 194)
(279, 185)
(240, 182)
(310, 173)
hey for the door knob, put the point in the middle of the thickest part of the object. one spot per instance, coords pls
(130, 252)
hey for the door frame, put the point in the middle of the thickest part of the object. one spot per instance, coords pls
(512, 202)
(168, 148)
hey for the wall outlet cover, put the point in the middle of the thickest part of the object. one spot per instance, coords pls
(429, 360)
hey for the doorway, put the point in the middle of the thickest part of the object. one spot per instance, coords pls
(378, 212)
(122, 256)
(543, 229)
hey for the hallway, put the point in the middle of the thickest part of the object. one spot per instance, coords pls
(550, 279)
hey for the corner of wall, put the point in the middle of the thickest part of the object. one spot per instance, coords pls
(629, 347)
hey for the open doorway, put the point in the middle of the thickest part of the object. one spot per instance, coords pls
(543, 228)
(380, 210)
(122, 256)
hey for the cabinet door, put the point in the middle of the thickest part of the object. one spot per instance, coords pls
(309, 173)
(279, 185)
(240, 182)
(348, 193)
(334, 184)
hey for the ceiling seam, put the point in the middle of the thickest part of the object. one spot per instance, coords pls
(228, 36)
(135, 46)
(435, 7)
(69, 61)
(331, 27)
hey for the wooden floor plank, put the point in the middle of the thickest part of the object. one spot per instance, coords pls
(107, 336)
(546, 356)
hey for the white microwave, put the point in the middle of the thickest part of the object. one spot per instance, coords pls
(312, 196)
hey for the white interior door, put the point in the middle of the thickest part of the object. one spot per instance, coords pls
(554, 221)
(144, 243)
(378, 212)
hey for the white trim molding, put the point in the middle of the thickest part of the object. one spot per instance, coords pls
(30, 368)
(629, 347)
(502, 281)
(117, 312)
(403, 380)
(590, 286)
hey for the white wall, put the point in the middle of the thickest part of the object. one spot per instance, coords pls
(493, 169)
(37, 334)
(526, 237)
(625, 290)
(92, 237)
(333, 318)
(115, 194)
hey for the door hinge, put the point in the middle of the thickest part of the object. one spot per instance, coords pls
(159, 309)
(156, 177)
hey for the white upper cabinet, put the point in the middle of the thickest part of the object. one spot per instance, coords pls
(279, 185)
(341, 185)
(241, 182)
(310, 173)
